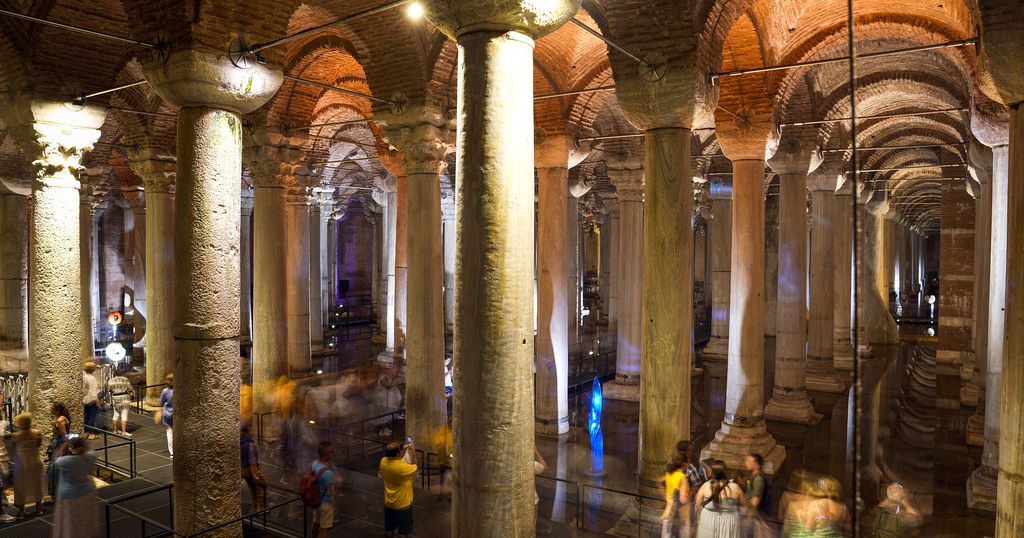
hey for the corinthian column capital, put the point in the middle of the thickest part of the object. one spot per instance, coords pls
(55, 136)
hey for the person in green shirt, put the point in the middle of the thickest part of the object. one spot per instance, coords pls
(398, 472)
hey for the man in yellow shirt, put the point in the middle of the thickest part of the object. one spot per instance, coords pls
(398, 472)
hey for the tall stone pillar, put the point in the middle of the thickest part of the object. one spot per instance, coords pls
(720, 246)
(390, 187)
(613, 259)
(423, 141)
(297, 248)
(605, 268)
(245, 257)
(448, 225)
(552, 384)
(318, 208)
(878, 321)
(158, 181)
(55, 139)
(628, 178)
(494, 262)
(973, 373)
(14, 227)
(772, 261)
(956, 277)
(573, 260)
(743, 428)
(90, 196)
(401, 298)
(210, 96)
(135, 265)
(842, 244)
(821, 371)
(789, 401)
(272, 159)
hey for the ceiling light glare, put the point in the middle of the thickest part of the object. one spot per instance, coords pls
(414, 11)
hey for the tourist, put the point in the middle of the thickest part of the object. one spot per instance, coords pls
(718, 505)
(167, 411)
(757, 492)
(251, 472)
(120, 391)
(61, 429)
(398, 471)
(895, 516)
(690, 470)
(28, 465)
(322, 468)
(76, 512)
(675, 520)
(90, 397)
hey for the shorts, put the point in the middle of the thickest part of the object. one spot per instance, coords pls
(400, 520)
(120, 414)
(325, 515)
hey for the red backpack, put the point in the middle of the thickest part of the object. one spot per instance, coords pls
(309, 489)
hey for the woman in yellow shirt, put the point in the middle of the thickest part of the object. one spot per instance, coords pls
(675, 520)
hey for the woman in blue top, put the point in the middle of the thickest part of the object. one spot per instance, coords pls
(77, 512)
(167, 412)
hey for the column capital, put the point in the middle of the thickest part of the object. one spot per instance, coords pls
(531, 18)
(157, 172)
(748, 133)
(822, 182)
(299, 195)
(611, 203)
(91, 196)
(136, 198)
(422, 144)
(277, 160)
(248, 202)
(628, 178)
(557, 150)
(447, 205)
(55, 136)
(796, 155)
(579, 189)
(190, 78)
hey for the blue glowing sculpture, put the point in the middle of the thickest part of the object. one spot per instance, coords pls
(594, 425)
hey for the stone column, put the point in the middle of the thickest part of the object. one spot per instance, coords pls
(605, 270)
(423, 146)
(878, 321)
(158, 180)
(135, 266)
(448, 225)
(956, 277)
(628, 178)
(316, 320)
(821, 371)
(720, 245)
(789, 401)
(390, 186)
(401, 262)
(494, 262)
(55, 139)
(974, 373)
(14, 217)
(245, 257)
(842, 343)
(613, 260)
(271, 173)
(210, 96)
(743, 428)
(297, 249)
(868, 300)
(90, 195)
(552, 381)
(572, 259)
(773, 263)
(667, 297)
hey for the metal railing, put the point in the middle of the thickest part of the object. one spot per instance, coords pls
(140, 396)
(254, 519)
(130, 471)
(641, 501)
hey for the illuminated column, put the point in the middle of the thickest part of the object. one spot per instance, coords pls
(320, 205)
(789, 401)
(974, 371)
(773, 263)
(297, 249)
(211, 94)
(448, 225)
(158, 178)
(55, 141)
(878, 321)
(842, 244)
(494, 261)
(90, 195)
(245, 255)
(422, 148)
(743, 428)
(572, 256)
(628, 178)
(825, 229)
(720, 246)
(135, 265)
(613, 260)
(13, 274)
(401, 263)
(552, 384)
(868, 300)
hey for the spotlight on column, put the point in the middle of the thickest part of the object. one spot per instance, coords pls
(414, 11)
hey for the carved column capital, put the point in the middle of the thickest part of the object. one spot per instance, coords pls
(422, 147)
(55, 136)
(158, 173)
(628, 178)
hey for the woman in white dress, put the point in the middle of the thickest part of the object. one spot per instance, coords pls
(718, 505)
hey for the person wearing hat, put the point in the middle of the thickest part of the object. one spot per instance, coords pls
(90, 396)
(28, 465)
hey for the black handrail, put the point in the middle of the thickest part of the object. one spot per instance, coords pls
(129, 442)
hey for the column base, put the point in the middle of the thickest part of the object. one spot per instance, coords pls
(975, 431)
(981, 489)
(550, 427)
(791, 409)
(618, 391)
(732, 444)
(716, 350)
(627, 379)
(825, 382)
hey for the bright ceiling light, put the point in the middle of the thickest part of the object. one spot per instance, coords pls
(414, 11)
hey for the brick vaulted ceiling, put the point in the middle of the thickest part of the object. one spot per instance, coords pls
(389, 54)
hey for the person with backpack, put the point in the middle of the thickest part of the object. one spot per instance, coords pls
(317, 489)
(757, 491)
(251, 473)
(398, 472)
(675, 520)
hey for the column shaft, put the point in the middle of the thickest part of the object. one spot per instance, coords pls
(401, 262)
(316, 319)
(631, 285)
(87, 262)
(668, 299)
(448, 226)
(245, 257)
(614, 265)
(494, 282)
(297, 267)
(789, 400)
(552, 304)
(720, 245)
(821, 372)
(13, 275)
(425, 401)
(842, 273)
(269, 296)
(207, 378)
(159, 287)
